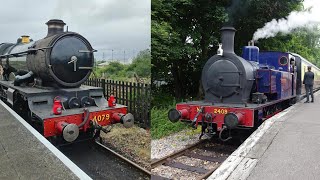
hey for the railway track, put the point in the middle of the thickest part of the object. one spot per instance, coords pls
(147, 172)
(171, 165)
(197, 161)
(101, 162)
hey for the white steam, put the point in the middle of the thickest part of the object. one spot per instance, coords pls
(294, 20)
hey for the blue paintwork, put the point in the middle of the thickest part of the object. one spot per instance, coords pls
(250, 53)
(272, 58)
(272, 78)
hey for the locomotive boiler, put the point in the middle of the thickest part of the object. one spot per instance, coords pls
(61, 58)
(42, 81)
(242, 92)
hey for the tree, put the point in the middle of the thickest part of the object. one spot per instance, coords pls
(181, 35)
(141, 65)
(302, 41)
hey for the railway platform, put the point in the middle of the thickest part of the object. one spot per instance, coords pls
(26, 154)
(286, 146)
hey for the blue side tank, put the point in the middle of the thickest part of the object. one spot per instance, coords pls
(250, 53)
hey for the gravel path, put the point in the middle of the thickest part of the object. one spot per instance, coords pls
(169, 144)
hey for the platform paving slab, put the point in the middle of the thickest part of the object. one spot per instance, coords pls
(295, 151)
(286, 146)
(23, 156)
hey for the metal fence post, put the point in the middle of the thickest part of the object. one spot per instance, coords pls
(103, 85)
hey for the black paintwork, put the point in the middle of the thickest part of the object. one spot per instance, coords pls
(61, 54)
(228, 78)
(48, 59)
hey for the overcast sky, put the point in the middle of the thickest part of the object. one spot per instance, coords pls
(121, 25)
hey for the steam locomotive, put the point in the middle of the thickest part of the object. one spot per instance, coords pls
(42, 81)
(242, 92)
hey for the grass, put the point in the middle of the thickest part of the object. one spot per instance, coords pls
(160, 124)
(134, 143)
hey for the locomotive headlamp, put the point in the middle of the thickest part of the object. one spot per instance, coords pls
(220, 50)
(232, 120)
(57, 106)
(112, 101)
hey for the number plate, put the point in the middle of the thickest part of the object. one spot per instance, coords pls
(220, 111)
(101, 117)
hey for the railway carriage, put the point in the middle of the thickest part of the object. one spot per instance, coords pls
(302, 66)
(242, 92)
(42, 81)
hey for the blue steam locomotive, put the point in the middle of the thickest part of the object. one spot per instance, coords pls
(242, 92)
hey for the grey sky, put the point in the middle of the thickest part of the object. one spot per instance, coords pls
(121, 25)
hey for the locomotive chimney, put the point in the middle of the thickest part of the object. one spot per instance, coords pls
(227, 38)
(55, 26)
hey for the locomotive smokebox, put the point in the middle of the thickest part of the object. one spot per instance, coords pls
(227, 38)
(55, 26)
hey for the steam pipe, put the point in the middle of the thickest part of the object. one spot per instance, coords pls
(220, 135)
(85, 118)
(20, 79)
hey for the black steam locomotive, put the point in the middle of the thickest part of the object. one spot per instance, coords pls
(42, 81)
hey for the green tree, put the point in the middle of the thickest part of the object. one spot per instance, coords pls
(181, 37)
(141, 65)
(305, 42)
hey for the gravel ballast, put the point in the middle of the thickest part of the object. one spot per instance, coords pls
(175, 142)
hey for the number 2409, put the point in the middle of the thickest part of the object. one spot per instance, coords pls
(220, 111)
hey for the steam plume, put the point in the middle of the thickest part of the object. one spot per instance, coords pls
(294, 20)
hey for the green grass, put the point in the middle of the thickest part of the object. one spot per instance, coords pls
(160, 124)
